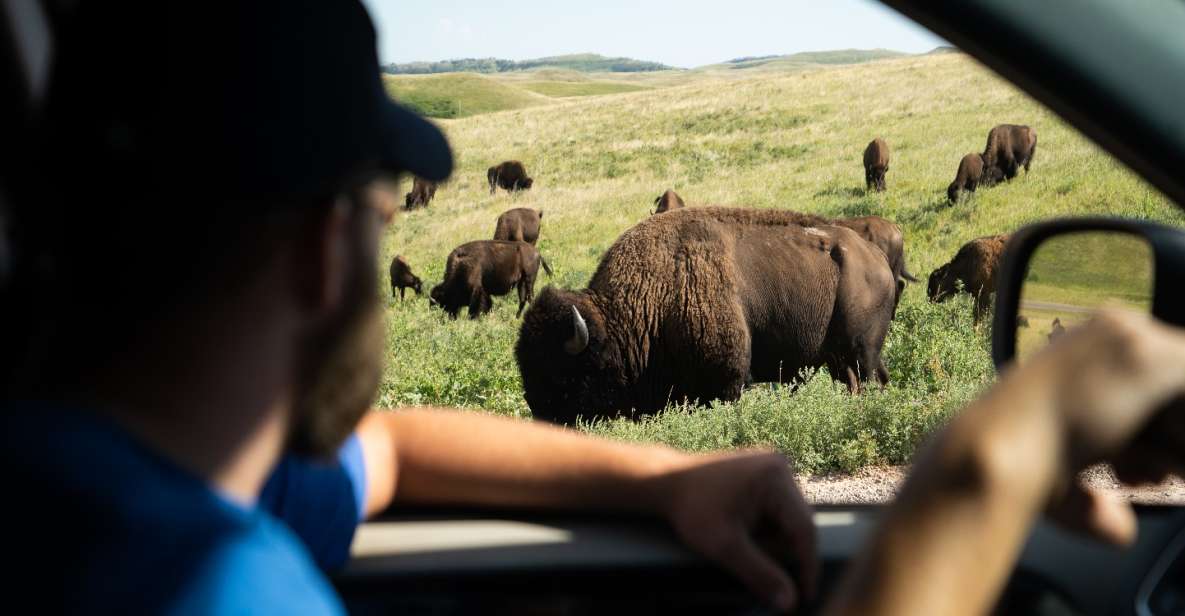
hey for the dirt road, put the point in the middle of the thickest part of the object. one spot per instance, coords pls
(880, 484)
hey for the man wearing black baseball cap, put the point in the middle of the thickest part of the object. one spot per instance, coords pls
(210, 323)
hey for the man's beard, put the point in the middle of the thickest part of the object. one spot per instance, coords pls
(340, 369)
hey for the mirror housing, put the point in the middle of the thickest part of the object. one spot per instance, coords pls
(1167, 245)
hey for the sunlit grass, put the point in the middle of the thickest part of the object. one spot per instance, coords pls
(766, 140)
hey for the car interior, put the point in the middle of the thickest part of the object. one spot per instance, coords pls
(443, 561)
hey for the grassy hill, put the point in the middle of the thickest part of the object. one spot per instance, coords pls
(769, 139)
(460, 95)
(809, 58)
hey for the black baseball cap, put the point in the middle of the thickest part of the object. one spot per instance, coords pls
(269, 99)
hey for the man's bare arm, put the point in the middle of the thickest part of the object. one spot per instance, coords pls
(714, 501)
(950, 541)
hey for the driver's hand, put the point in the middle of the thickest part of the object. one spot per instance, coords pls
(1114, 386)
(744, 511)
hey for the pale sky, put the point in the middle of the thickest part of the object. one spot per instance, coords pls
(683, 33)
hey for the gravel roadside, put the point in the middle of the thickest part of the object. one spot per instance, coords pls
(879, 484)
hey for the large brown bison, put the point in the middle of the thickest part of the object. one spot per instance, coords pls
(975, 266)
(510, 176)
(669, 200)
(1009, 147)
(694, 304)
(402, 278)
(876, 164)
(422, 192)
(520, 224)
(476, 271)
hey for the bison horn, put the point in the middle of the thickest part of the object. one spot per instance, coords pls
(579, 340)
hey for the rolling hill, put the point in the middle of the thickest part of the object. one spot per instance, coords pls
(762, 138)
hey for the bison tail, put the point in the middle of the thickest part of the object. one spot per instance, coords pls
(546, 267)
(908, 276)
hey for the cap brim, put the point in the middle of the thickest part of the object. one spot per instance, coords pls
(414, 144)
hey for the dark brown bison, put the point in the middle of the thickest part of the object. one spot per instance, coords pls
(422, 192)
(476, 271)
(876, 164)
(975, 265)
(1009, 147)
(669, 200)
(510, 176)
(519, 225)
(402, 278)
(694, 304)
(968, 177)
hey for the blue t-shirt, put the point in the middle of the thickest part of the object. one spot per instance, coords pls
(99, 523)
(322, 502)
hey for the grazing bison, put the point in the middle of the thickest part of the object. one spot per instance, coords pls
(478, 270)
(694, 304)
(519, 225)
(510, 176)
(670, 200)
(968, 177)
(402, 278)
(1009, 147)
(876, 164)
(422, 192)
(975, 265)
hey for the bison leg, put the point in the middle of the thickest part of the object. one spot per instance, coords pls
(476, 303)
(522, 298)
(882, 373)
(853, 381)
(401, 291)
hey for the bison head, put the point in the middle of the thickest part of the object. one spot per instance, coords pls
(941, 284)
(526, 183)
(417, 285)
(569, 367)
(436, 296)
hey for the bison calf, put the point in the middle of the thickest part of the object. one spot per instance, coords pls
(402, 278)
(668, 201)
(876, 164)
(967, 178)
(975, 266)
(1009, 147)
(422, 192)
(520, 224)
(478, 270)
(510, 176)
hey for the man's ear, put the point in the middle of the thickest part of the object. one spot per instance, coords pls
(321, 259)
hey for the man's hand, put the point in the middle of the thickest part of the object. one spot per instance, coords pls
(1115, 387)
(745, 512)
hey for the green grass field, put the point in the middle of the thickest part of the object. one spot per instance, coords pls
(754, 138)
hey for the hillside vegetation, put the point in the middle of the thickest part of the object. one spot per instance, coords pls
(789, 140)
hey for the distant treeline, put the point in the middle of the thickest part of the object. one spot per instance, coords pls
(579, 62)
(751, 59)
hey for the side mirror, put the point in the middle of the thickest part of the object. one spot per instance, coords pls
(1055, 275)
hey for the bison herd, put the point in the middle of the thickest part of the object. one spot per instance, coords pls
(695, 303)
